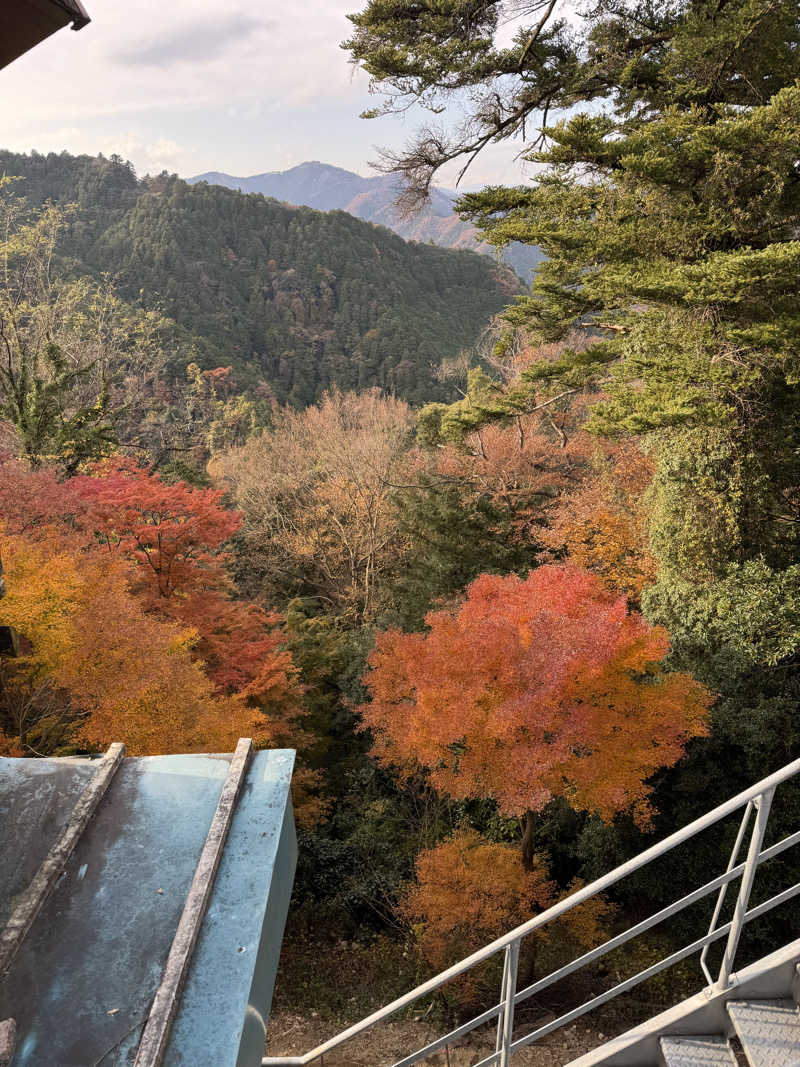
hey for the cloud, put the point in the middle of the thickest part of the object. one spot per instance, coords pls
(188, 86)
(149, 157)
(192, 42)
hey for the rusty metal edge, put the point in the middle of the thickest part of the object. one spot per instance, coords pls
(8, 1041)
(153, 1043)
(52, 866)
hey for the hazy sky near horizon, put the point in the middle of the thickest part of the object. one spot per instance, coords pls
(191, 86)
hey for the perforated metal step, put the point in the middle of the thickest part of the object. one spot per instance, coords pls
(769, 1031)
(711, 1051)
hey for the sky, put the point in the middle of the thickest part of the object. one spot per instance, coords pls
(190, 86)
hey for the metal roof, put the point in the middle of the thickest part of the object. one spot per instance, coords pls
(144, 902)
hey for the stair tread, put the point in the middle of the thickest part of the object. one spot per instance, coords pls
(769, 1031)
(701, 1051)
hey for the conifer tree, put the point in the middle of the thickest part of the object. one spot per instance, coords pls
(667, 205)
(452, 537)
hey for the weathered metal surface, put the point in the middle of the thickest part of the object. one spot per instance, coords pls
(236, 957)
(769, 1031)
(711, 1051)
(84, 980)
(31, 901)
(37, 798)
(167, 999)
(82, 984)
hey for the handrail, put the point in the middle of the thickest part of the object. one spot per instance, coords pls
(761, 790)
(602, 950)
(763, 804)
(655, 968)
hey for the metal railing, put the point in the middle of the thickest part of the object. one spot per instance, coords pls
(757, 799)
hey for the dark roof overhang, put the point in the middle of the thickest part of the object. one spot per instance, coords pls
(24, 23)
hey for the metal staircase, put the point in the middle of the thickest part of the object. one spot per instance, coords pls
(750, 1005)
(767, 1030)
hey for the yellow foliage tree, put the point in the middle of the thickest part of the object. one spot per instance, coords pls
(469, 891)
(128, 675)
(603, 525)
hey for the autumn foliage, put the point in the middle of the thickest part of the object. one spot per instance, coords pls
(173, 532)
(533, 689)
(601, 523)
(316, 492)
(150, 644)
(469, 891)
(125, 673)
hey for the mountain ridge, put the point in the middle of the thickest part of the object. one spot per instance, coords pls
(325, 187)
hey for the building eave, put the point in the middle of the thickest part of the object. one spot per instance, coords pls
(25, 23)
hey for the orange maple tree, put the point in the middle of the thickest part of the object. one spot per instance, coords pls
(532, 689)
(469, 891)
(124, 672)
(155, 648)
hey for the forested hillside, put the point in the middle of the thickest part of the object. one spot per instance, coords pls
(327, 188)
(302, 299)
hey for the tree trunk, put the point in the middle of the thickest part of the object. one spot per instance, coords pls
(528, 825)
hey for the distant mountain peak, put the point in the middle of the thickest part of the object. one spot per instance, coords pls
(326, 187)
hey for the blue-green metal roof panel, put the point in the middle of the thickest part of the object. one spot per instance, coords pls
(34, 809)
(81, 986)
(236, 958)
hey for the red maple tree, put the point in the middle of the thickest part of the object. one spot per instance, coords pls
(241, 645)
(174, 536)
(174, 532)
(532, 689)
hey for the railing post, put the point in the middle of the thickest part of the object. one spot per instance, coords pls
(763, 803)
(505, 1021)
(503, 997)
(748, 811)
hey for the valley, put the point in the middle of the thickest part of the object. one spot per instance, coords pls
(300, 299)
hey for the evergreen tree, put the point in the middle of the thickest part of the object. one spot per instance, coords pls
(668, 208)
(453, 536)
(302, 299)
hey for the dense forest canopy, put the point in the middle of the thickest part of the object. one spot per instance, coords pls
(327, 188)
